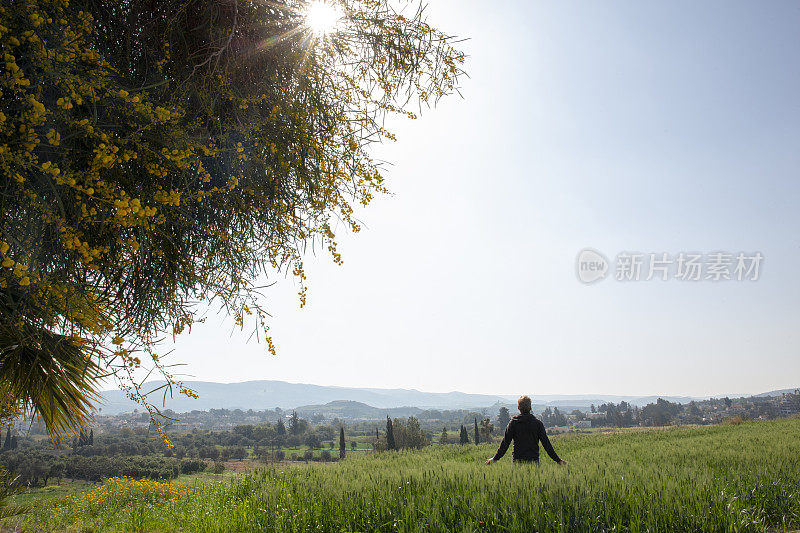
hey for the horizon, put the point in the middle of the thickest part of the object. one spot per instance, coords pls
(501, 395)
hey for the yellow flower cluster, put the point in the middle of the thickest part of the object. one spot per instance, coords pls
(186, 391)
(117, 491)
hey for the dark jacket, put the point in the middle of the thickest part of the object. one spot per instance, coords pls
(526, 431)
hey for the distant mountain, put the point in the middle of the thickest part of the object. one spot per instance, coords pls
(569, 402)
(259, 395)
(350, 410)
(777, 392)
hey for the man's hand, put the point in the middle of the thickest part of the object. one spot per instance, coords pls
(562, 462)
(490, 460)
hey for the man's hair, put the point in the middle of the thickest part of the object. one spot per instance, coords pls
(524, 404)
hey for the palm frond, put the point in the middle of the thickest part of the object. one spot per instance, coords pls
(8, 489)
(53, 376)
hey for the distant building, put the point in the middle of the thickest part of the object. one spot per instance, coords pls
(790, 403)
(583, 424)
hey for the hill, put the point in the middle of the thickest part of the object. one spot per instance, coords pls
(350, 410)
(778, 392)
(264, 394)
(268, 394)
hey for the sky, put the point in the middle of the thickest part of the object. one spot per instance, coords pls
(617, 126)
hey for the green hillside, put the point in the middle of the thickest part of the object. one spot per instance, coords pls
(742, 477)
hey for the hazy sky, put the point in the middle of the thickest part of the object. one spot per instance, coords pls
(621, 126)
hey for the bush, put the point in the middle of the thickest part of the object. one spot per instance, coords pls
(190, 466)
(325, 456)
(309, 455)
(219, 468)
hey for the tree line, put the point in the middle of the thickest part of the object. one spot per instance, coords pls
(34, 467)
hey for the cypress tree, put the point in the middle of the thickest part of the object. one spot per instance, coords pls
(7, 443)
(280, 429)
(477, 433)
(341, 443)
(13, 442)
(443, 439)
(464, 436)
(91, 437)
(390, 445)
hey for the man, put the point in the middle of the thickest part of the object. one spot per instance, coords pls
(526, 431)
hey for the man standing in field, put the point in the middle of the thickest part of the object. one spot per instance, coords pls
(526, 431)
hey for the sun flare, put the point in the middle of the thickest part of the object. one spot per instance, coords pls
(322, 17)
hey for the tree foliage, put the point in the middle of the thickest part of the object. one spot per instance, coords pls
(463, 437)
(159, 154)
(504, 417)
(408, 434)
(402, 434)
(443, 438)
(486, 429)
(390, 442)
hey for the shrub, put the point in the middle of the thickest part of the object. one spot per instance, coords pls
(190, 466)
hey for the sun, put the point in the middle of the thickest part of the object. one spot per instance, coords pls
(322, 17)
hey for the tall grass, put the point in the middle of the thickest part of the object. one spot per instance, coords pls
(725, 478)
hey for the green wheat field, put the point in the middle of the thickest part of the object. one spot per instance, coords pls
(727, 478)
